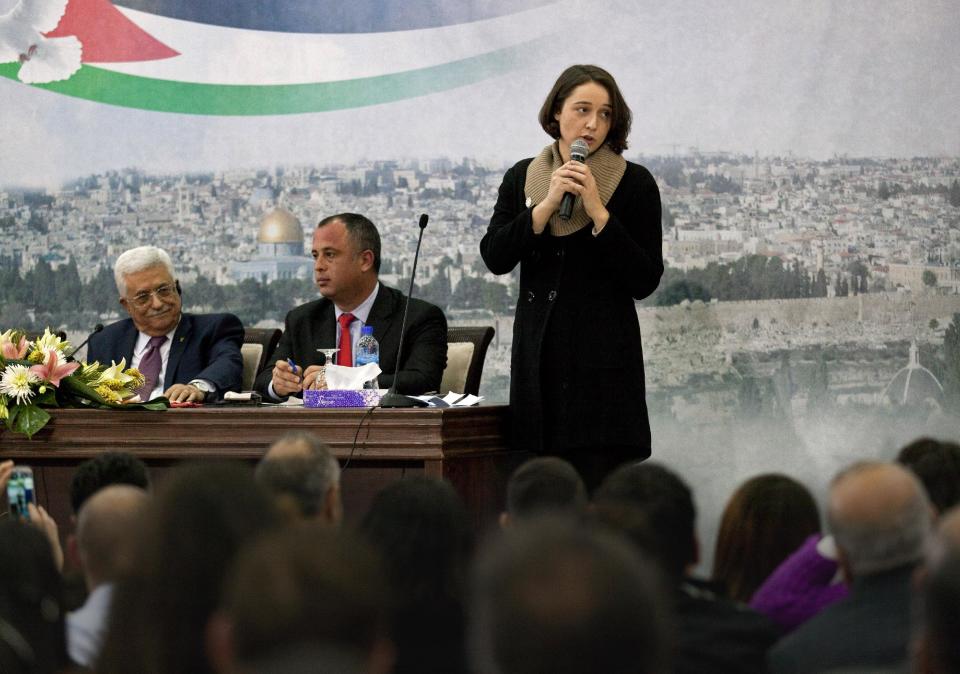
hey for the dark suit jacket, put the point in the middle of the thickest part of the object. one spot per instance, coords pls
(313, 326)
(871, 627)
(205, 346)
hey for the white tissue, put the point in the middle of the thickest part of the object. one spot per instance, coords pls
(342, 378)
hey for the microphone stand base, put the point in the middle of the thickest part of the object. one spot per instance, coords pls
(393, 399)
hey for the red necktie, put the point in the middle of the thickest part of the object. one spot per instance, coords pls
(345, 354)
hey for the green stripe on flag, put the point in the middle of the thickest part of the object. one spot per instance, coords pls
(132, 91)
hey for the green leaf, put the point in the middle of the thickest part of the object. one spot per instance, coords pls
(48, 398)
(30, 420)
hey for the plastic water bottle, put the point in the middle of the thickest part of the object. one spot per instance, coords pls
(368, 351)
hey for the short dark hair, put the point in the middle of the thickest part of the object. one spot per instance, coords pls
(554, 595)
(545, 483)
(570, 79)
(362, 232)
(305, 478)
(668, 504)
(937, 464)
(103, 470)
(304, 586)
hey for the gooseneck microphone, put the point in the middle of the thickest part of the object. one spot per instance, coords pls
(578, 152)
(97, 328)
(391, 398)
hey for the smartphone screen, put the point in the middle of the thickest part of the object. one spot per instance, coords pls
(20, 492)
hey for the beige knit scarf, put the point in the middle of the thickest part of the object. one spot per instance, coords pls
(607, 167)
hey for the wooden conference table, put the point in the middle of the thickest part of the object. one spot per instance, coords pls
(467, 446)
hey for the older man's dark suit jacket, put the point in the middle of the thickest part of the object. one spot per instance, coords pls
(205, 346)
(313, 326)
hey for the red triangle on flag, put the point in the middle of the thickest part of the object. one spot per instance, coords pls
(107, 35)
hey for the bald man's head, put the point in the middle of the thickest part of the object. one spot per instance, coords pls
(303, 476)
(880, 516)
(106, 528)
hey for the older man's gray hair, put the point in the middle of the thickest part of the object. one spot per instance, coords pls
(138, 259)
(301, 467)
(880, 515)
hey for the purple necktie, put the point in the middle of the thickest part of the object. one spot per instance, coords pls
(150, 366)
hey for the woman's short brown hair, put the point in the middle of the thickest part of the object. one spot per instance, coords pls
(570, 79)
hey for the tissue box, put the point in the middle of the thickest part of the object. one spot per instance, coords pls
(340, 398)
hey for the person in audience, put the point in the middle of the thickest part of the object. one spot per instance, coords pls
(545, 483)
(303, 476)
(31, 609)
(420, 527)
(937, 464)
(767, 518)
(880, 518)
(803, 585)
(346, 253)
(192, 528)
(552, 595)
(303, 594)
(938, 643)
(105, 469)
(184, 357)
(714, 634)
(105, 538)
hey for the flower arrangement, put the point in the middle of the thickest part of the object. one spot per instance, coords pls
(37, 374)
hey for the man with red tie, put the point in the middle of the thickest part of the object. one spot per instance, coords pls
(184, 357)
(346, 253)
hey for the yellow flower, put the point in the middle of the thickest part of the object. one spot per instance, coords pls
(4, 412)
(49, 341)
(138, 378)
(36, 357)
(108, 394)
(114, 376)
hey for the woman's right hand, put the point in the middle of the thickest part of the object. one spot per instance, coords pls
(562, 180)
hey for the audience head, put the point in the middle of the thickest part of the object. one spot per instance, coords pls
(421, 529)
(103, 470)
(547, 483)
(880, 517)
(938, 650)
(766, 519)
(192, 528)
(553, 596)
(32, 637)
(303, 476)
(667, 503)
(937, 464)
(303, 590)
(106, 530)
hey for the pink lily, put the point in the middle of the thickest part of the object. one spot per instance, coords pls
(51, 372)
(13, 351)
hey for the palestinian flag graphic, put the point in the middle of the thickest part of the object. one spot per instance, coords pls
(269, 57)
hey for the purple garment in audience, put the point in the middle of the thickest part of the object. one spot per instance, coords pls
(799, 588)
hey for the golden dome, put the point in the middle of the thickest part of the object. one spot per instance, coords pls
(280, 226)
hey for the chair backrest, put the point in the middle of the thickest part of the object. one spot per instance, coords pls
(258, 346)
(466, 351)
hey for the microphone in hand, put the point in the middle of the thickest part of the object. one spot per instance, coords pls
(578, 152)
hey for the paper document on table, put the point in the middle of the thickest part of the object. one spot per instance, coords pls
(461, 400)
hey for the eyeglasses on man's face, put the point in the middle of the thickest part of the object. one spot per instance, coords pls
(163, 293)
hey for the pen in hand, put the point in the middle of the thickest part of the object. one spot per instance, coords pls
(293, 366)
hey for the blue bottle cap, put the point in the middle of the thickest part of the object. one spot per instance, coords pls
(366, 330)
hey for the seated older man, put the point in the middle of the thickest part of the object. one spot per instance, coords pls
(184, 357)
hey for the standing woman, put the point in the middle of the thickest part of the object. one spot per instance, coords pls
(577, 385)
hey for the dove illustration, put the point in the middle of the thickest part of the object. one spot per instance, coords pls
(21, 39)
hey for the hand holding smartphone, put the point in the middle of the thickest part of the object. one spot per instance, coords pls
(20, 493)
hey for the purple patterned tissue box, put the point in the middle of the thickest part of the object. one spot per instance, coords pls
(341, 398)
